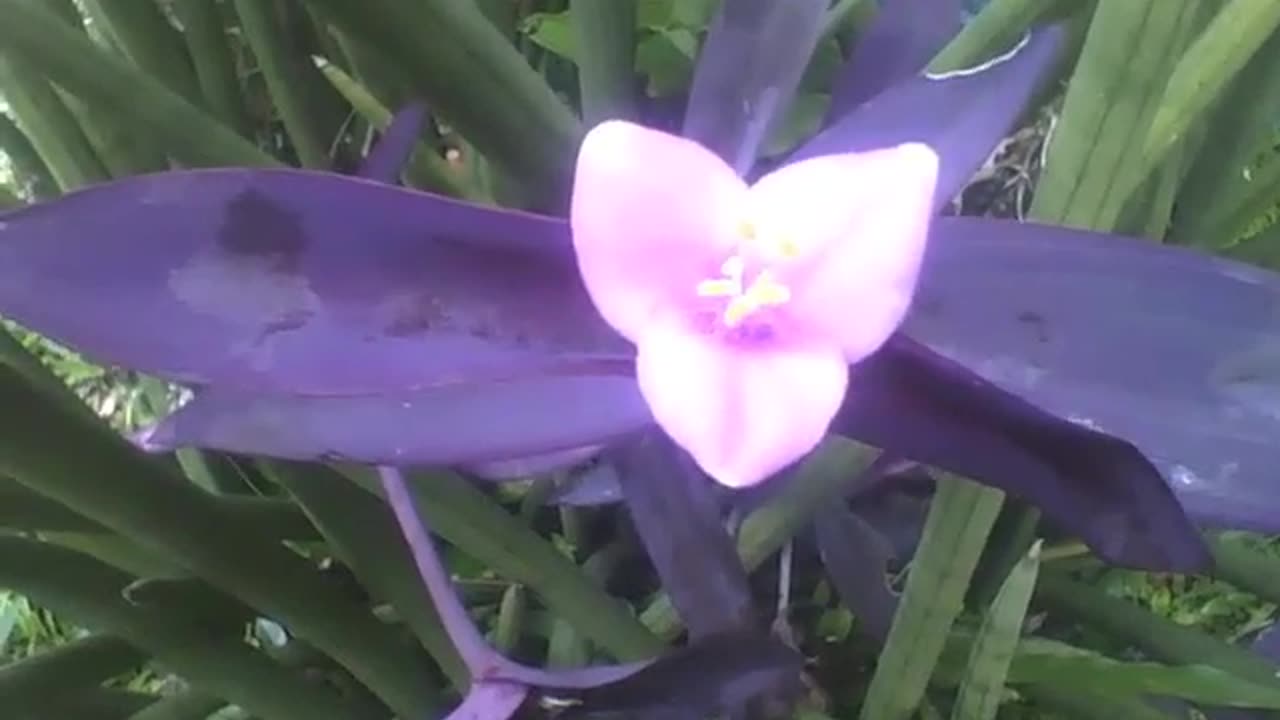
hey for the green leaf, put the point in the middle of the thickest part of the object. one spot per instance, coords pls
(475, 79)
(982, 688)
(44, 119)
(666, 60)
(285, 70)
(64, 455)
(142, 32)
(1094, 155)
(1159, 637)
(82, 663)
(1237, 32)
(363, 532)
(1077, 704)
(1215, 202)
(605, 35)
(187, 705)
(71, 60)
(205, 33)
(960, 518)
(1045, 662)
(553, 32)
(30, 175)
(90, 593)
(511, 619)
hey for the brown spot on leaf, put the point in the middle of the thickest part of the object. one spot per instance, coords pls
(1036, 323)
(255, 227)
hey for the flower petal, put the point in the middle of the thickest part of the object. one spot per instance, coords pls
(652, 215)
(742, 415)
(859, 222)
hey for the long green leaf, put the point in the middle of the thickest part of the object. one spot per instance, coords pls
(1219, 183)
(30, 174)
(996, 27)
(64, 456)
(47, 123)
(363, 532)
(960, 518)
(89, 593)
(982, 688)
(1208, 66)
(606, 41)
(149, 41)
(81, 663)
(71, 60)
(187, 705)
(206, 36)
(289, 77)
(1075, 704)
(474, 78)
(1163, 639)
(1093, 168)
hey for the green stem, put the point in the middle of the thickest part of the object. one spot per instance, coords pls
(605, 35)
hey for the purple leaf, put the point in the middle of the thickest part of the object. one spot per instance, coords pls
(677, 514)
(754, 56)
(962, 115)
(452, 425)
(913, 402)
(388, 157)
(856, 558)
(490, 701)
(717, 674)
(1173, 350)
(277, 280)
(900, 42)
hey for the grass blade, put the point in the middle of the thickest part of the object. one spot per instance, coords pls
(81, 663)
(982, 688)
(144, 35)
(90, 593)
(473, 77)
(30, 174)
(71, 60)
(290, 80)
(206, 36)
(960, 518)
(47, 123)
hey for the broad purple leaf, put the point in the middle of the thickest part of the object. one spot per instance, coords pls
(676, 511)
(452, 425)
(490, 701)
(856, 558)
(899, 43)
(716, 674)
(290, 281)
(923, 406)
(1172, 350)
(388, 157)
(962, 115)
(754, 56)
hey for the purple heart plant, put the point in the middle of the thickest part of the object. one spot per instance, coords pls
(702, 310)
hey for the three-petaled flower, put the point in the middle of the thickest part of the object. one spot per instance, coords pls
(747, 302)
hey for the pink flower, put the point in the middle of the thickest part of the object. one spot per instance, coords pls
(747, 303)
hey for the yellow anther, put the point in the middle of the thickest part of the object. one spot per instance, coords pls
(719, 288)
(764, 292)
